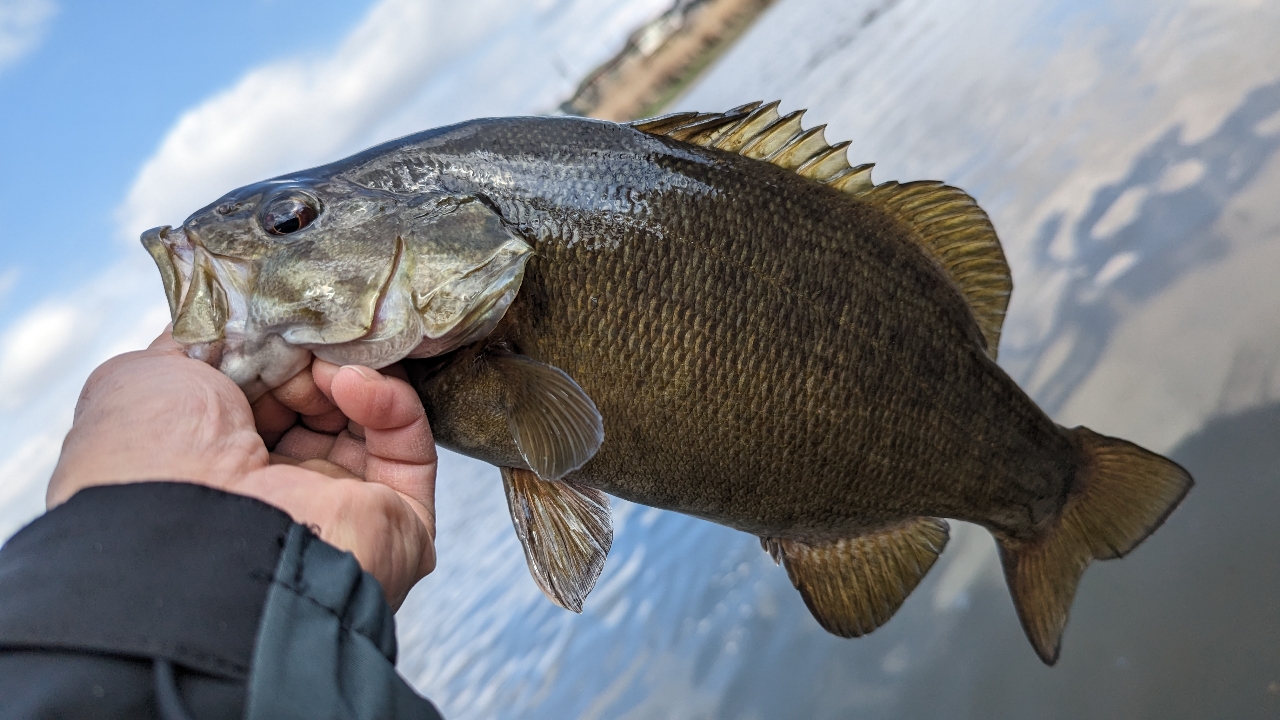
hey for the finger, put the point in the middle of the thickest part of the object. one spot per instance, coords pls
(331, 422)
(329, 469)
(427, 542)
(272, 418)
(303, 444)
(278, 459)
(397, 439)
(300, 394)
(349, 452)
(355, 429)
(164, 341)
(373, 400)
(416, 483)
(394, 422)
(323, 372)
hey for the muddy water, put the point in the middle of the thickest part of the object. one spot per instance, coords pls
(1127, 152)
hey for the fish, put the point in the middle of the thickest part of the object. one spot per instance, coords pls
(710, 313)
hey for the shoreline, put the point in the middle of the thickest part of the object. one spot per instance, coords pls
(662, 58)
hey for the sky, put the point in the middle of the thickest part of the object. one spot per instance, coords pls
(1127, 150)
(118, 117)
(85, 91)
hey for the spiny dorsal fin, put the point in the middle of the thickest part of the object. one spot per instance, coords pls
(854, 585)
(944, 220)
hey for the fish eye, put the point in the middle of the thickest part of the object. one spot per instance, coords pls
(289, 213)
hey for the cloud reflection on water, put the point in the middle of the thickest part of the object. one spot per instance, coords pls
(1127, 154)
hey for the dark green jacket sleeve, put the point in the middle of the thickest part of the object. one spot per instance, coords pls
(174, 600)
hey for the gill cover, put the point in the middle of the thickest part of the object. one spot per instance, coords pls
(450, 278)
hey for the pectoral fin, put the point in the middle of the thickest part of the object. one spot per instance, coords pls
(854, 585)
(556, 426)
(566, 532)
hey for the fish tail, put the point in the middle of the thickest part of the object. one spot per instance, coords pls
(1120, 495)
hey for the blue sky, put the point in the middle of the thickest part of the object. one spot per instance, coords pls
(116, 120)
(85, 106)
(117, 117)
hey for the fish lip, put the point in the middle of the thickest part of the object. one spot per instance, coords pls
(157, 243)
(180, 256)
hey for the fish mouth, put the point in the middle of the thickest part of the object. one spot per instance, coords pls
(196, 286)
(208, 298)
(157, 242)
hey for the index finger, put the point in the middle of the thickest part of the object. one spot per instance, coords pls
(303, 395)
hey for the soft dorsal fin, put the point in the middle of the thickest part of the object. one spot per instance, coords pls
(955, 232)
(943, 220)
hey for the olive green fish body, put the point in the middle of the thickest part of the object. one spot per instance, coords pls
(712, 313)
(767, 353)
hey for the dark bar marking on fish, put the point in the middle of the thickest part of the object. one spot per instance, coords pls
(566, 531)
(1122, 494)
(854, 585)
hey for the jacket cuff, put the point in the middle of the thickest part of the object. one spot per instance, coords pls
(324, 608)
(177, 571)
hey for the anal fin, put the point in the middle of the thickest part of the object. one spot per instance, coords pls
(854, 585)
(566, 531)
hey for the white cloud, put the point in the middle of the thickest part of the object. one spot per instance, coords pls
(293, 114)
(51, 348)
(408, 65)
(26, 471)
(33, 345)
(22, 26)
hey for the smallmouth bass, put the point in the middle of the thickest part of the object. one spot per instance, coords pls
(712, 313)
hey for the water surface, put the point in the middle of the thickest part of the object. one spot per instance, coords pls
(1127, 154)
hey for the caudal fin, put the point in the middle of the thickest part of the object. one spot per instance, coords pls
(1122, 493)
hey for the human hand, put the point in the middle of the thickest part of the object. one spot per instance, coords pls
(354, 457)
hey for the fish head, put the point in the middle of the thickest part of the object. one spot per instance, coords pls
(275, 272)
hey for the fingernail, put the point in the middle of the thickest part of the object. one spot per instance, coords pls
(365, 373)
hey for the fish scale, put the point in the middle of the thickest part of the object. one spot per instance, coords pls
(740, 270)
(712, 313)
